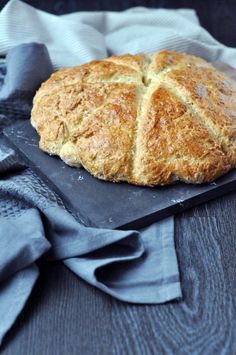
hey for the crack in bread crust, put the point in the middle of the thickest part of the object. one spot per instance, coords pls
(204, 102)
(147, 120)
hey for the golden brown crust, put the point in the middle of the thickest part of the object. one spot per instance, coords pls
(147, 120)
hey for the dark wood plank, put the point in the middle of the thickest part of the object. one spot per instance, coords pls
(222, 208)
(63, 316)
(203, 322)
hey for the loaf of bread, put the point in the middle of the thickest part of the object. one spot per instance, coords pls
(147, 120)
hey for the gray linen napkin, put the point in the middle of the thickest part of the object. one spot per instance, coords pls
(85, 36)
(133, 266)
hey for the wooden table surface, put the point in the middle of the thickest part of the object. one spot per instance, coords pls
(67, 316)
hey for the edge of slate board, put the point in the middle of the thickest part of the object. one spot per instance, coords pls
(83, 220)
(177, 206)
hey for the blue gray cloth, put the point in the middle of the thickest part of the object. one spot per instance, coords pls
(133, 266)
(79, 37)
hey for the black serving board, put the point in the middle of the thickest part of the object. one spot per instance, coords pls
(111, 205)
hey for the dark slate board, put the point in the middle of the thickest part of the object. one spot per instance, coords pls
(105, 204)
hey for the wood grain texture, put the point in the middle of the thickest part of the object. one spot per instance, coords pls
(64, 315)
(204, 322)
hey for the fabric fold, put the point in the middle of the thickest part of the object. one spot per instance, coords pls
(85, 36)
(14, 293)
(20, 242)
(21, 82)
(9, 159)
(103, 258)
(129, 277)
(69, 42)
(68, 240)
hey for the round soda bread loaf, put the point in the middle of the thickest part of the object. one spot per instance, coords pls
(147, 120)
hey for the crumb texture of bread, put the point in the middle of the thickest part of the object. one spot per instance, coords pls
(144, 119)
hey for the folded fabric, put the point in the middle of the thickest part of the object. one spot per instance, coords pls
(14, 292)
(82, 36)
(21, 82)
(134, 266)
